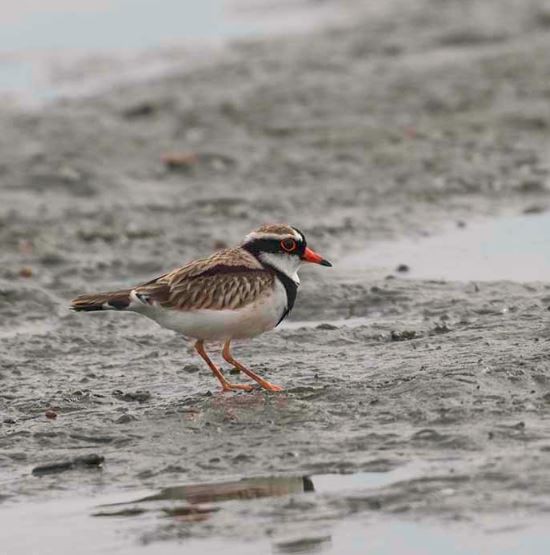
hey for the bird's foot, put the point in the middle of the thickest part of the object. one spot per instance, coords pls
(237, 387)
(271, 387)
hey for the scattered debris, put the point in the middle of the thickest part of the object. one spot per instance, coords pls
(303, 545)
(534, 209)
(132, 511)
(92, 439)
(191, 368)
(141, 110)
(439, 328)
(108, 235)
(426, 434)
(125, 418)
(532, 185)
(402, 335)
(473, 287)
(326, 326)
(85, 461)
(140, 395)
(180, 160)
(25, 272)
(186, 161)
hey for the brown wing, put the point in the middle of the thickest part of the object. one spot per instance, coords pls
(228, 279)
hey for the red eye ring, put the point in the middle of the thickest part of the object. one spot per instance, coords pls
(288, 245)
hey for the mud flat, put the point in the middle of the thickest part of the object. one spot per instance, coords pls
(435, 393)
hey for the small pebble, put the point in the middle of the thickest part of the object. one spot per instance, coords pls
(191, 368)
(25, 272)
(326, 326)
(125, 418)
(140, 395)
(51, 414)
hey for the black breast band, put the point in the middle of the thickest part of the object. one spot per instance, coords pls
(291, 288)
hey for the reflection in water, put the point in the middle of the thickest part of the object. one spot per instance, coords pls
(195, 503)
(197, 494)
(271, 486)
(248, 488)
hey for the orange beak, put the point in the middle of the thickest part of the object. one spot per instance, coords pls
(312, 256)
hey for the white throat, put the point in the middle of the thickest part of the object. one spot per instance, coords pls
(285, 263)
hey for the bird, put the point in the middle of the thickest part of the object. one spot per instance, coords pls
(235, 293)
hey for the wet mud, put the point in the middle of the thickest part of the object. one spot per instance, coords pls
(385, 130)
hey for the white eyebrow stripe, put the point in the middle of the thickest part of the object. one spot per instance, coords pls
(255, 235)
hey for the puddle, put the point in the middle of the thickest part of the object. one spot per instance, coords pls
(271, 486)
(395, 537)
(49, 47)
(513, 248)
(42, 527)
(52, 24)
(360, 481)
(41, 40)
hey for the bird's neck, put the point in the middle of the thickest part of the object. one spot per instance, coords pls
(281, 264)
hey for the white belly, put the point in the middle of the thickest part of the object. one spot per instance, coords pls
(249, 321)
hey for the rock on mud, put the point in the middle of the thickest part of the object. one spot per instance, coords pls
(85, 461)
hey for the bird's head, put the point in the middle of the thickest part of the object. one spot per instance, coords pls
(282, 247)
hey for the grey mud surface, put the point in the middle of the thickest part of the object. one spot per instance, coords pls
(393, 127)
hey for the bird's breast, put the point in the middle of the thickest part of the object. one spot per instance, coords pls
(257, 317)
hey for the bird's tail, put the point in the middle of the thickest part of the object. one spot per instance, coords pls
(114, 300)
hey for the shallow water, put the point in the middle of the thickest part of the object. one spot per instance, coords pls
(53, 24)
(41, 41)
(35, 35)
(513, 248)
(161, 515)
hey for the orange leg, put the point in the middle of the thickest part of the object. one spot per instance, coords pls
(229, 358)
(226, 386)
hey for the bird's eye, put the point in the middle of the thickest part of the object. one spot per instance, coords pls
(288, 245)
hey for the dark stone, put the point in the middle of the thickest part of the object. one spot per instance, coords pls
(85, 461)
(326, 326)
(132, 396)
(402, 335)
